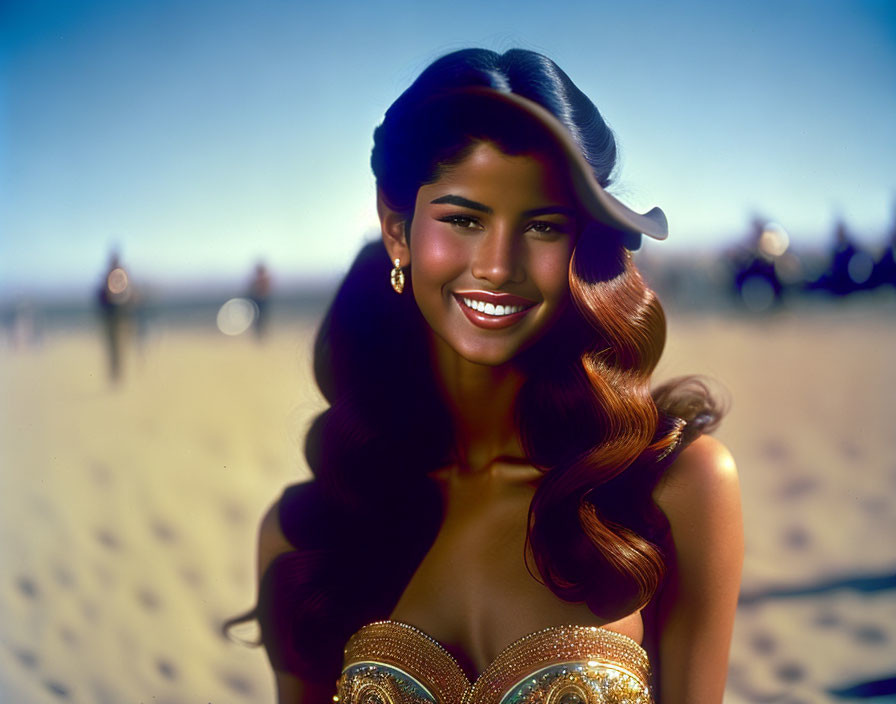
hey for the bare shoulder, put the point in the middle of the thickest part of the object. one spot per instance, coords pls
(702, 476)
(701, 498)
(271, 541)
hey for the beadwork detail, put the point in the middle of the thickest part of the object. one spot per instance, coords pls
(393, 663)
(378, 683)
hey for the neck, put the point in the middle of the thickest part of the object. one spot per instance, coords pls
(481, 400)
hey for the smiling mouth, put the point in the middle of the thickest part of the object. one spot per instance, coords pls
(493, 311)
(490, 308)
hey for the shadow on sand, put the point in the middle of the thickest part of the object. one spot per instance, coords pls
(859, 583)
(883, 689)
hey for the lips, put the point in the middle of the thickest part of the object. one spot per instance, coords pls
(490, 310)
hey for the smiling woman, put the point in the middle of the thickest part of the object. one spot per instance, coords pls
(501, 509)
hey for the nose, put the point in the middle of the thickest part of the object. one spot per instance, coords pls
(497, 257)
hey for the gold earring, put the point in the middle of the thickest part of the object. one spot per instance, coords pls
(396, 277)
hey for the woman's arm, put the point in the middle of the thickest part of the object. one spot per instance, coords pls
(701, 498)
(290, 688)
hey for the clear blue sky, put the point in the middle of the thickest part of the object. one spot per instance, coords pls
(201, 136)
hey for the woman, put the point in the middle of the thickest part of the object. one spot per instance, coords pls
(501, 511)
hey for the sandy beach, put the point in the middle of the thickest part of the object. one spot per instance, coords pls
(128, 514)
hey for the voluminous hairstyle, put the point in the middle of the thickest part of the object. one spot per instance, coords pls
(586, 414)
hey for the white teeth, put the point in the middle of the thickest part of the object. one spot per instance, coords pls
(490, 308)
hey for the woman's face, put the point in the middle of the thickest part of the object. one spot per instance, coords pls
(490, 245)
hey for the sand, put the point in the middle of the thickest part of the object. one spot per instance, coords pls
(128, 514)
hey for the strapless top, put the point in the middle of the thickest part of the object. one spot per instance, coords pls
(389, 662)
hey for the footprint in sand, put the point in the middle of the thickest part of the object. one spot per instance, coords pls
(850, 449)
(763, 643)
(797, 488)
(827, 619)
(102, 694)
(108, 539)
(28, 588)
(148, 599)
(797, 538)
(57, 689)
(166, 669)
(27, 659)
(238, 684)
(870, 634)
(790, 672)
(775, 450)
(163, 531)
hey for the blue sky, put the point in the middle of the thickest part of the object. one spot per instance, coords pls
(198, 137)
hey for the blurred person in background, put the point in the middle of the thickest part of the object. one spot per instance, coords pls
(497, 492)
(884, 272)
(755, 279)
(259, 292)
(115, 298)
(849, 268)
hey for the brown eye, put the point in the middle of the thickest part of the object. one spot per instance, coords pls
(547, 229)
(464, 222)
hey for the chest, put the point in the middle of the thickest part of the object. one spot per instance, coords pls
(473, 591)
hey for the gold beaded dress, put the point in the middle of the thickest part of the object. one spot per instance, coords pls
(389, 662)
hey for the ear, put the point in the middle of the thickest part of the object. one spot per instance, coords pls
(392, 224)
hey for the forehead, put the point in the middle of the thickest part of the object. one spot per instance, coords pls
(493, 174)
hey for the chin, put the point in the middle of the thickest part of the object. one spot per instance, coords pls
(487, 355)
(495, 359)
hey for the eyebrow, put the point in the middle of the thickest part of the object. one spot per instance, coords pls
(551, 209)
(452, 199)
(463, 202)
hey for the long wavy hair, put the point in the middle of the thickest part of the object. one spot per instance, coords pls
(586, 414)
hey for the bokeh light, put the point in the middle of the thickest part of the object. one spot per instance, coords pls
(117, 281)
(757, 293)
(773, 241)
(860, 267)
(236, 316)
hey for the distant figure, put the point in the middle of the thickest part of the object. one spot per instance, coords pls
(23, 325)
(756, 283)
(259, 292)
(839, 281)
(850, 267)
(884, 272)
(115, 296)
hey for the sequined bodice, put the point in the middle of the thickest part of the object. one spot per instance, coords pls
(388, 662)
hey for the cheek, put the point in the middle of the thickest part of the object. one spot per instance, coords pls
(550, 271)
(437, 257)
